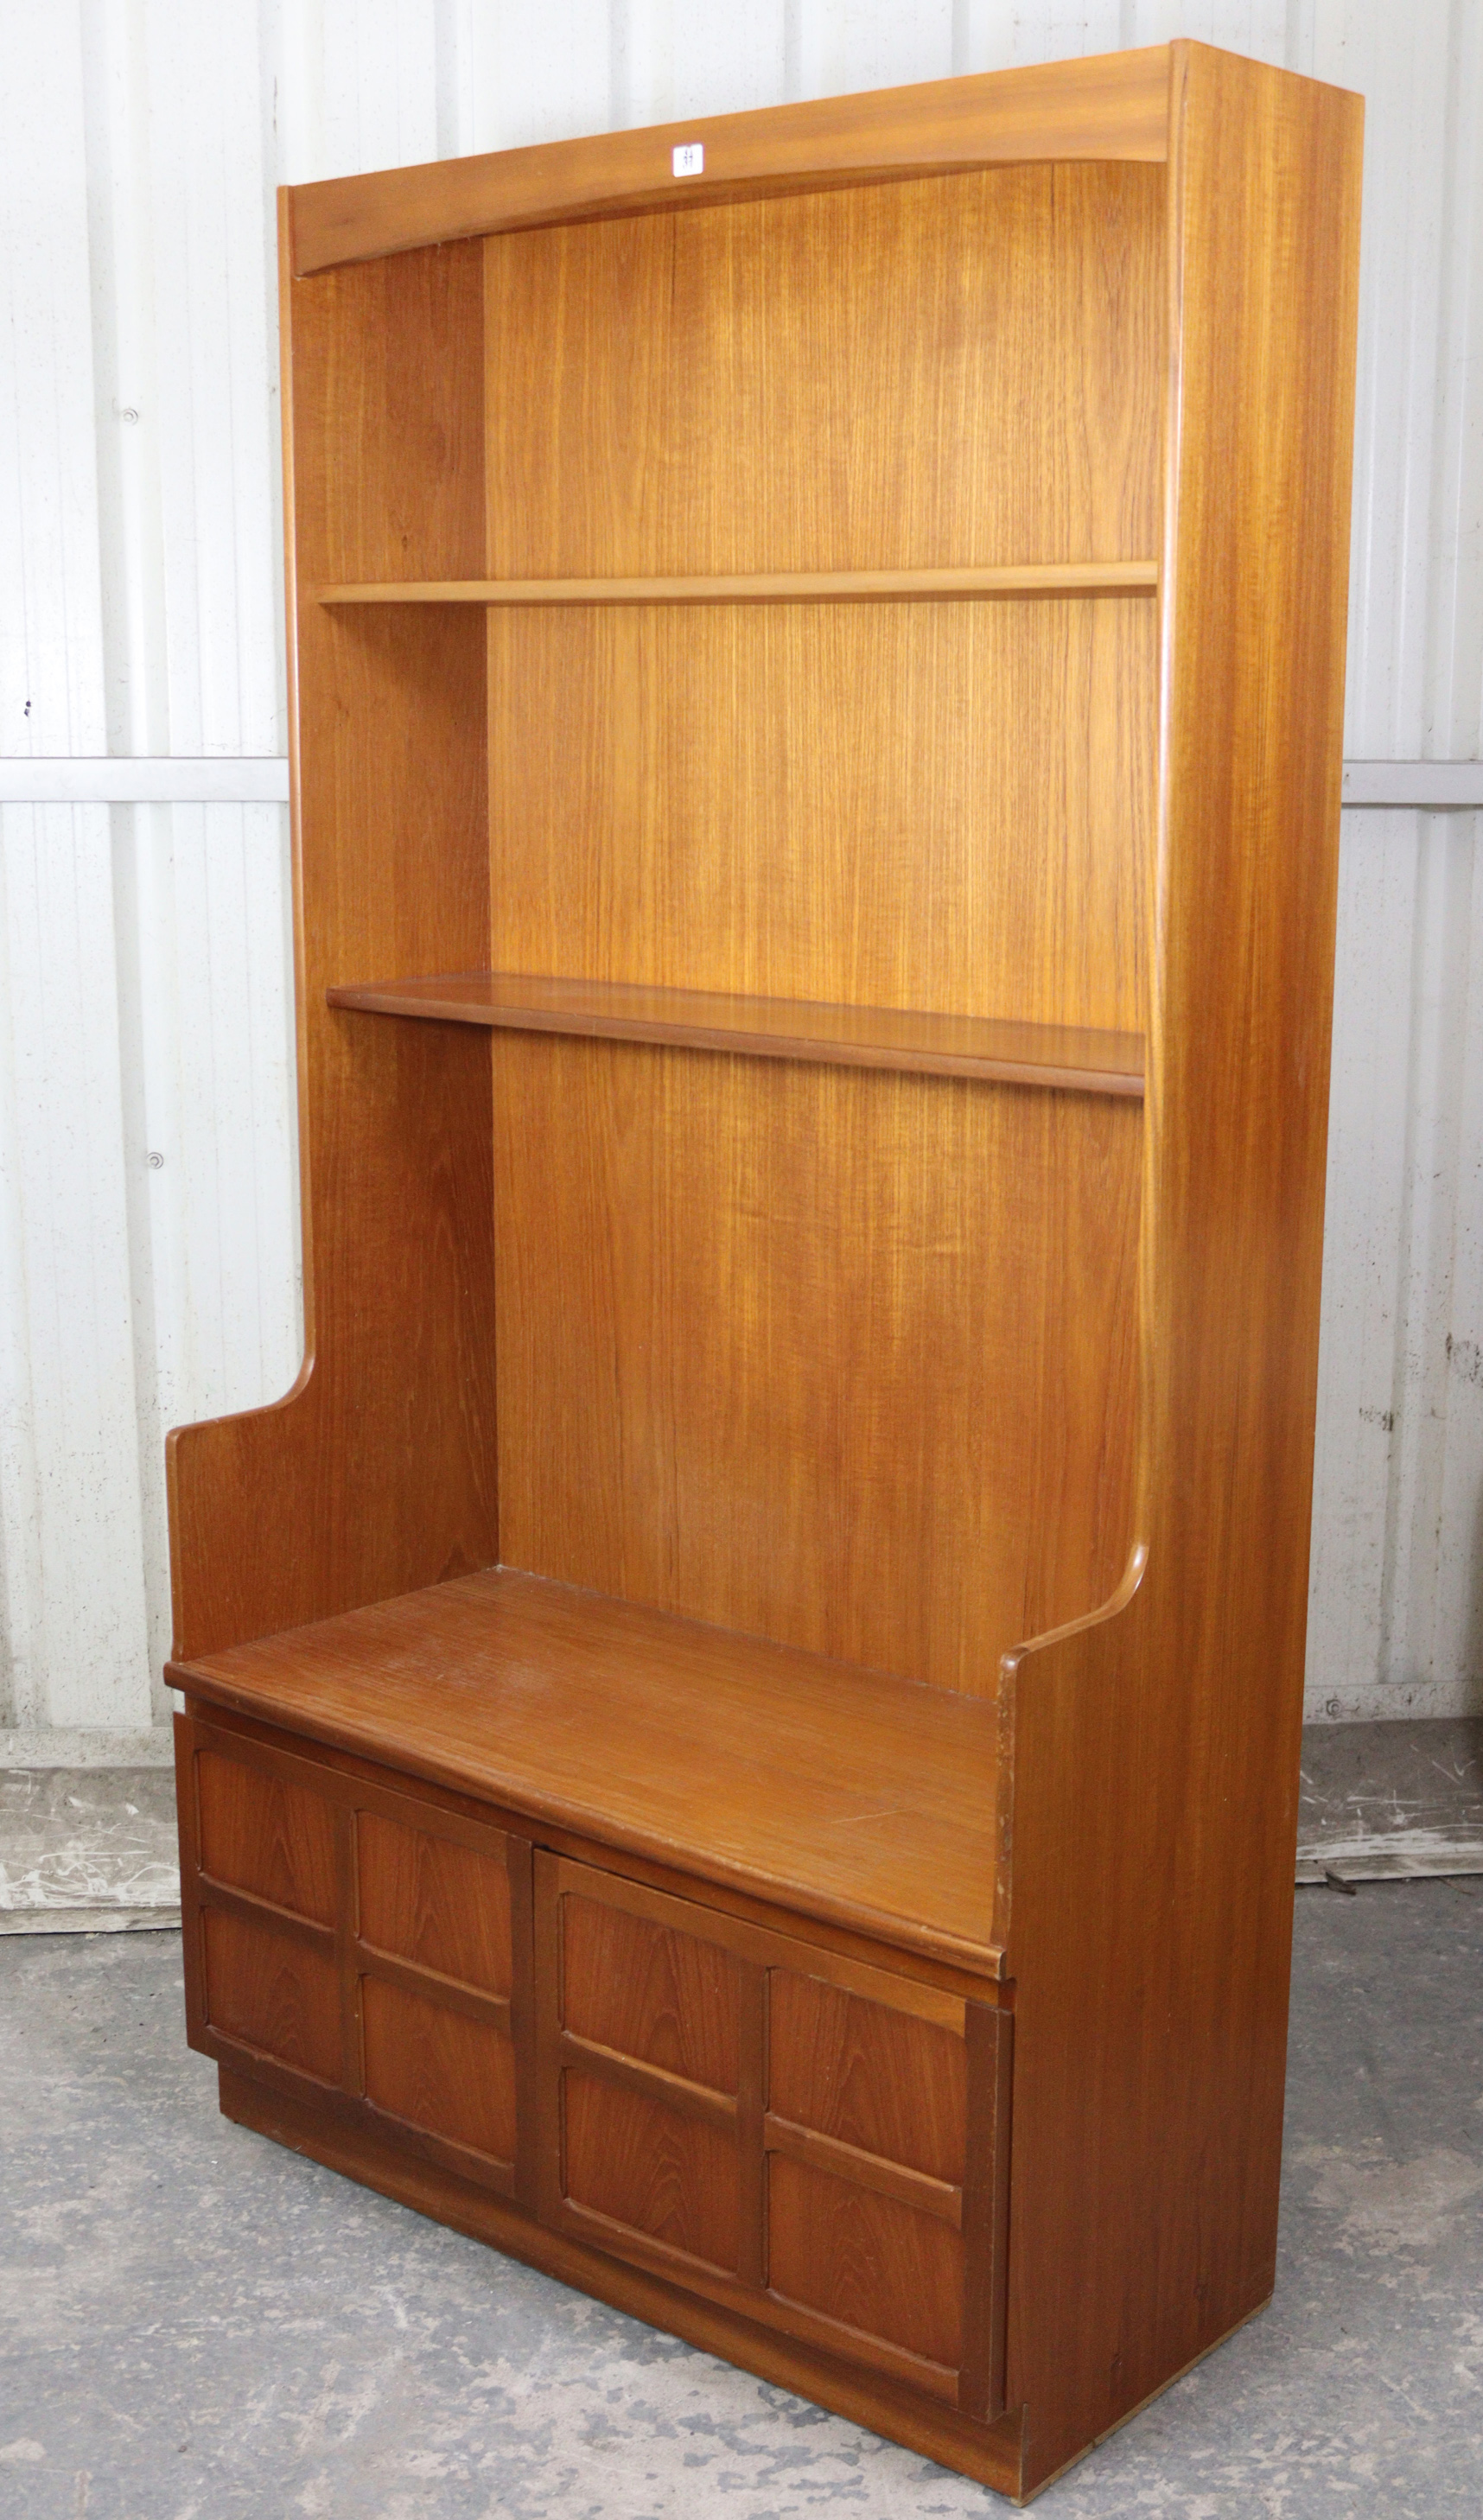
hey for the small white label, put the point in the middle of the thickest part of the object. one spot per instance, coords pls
(690, 159)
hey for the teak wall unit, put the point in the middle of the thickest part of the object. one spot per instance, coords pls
(743, 1716)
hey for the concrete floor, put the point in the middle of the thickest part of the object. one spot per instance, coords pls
(197, 2325)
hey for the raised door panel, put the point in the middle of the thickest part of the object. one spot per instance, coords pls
(441, 1905)
(646, 2023)
(813, 2139)
(885, 2081)
(443, 2072)
(361, 1936)
(266, 1832)
(869, 2262)
(273, 1994)
(652, 2169)
(647, 1992)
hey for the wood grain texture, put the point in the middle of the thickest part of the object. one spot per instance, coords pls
(869, 2076)
(836, 2380)
(1007, 1053)
(439, 2070)
(266, 1834)
(863, 1799)
(650, 1993)
(957, 374)
(268, 1993)
(192, 1924)
(1161, 1741)
(865, 2260)
(640, 2164)
(989, 2040)
(1112, 107)
(377, 1472)
(800, 586)
(882, 807)
(444, 1905)
(718, 1286)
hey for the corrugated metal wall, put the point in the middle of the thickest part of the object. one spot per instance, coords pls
(147, 1232)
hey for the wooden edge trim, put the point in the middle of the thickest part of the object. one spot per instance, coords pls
(751, 2119)
(188, 1824)
(547, 2132)
(454, 1994)
(264, 2067)
(778, 586)
(250, 1910)
(986, 2211)
(838, 2160)
(486, 2168)
(352, 2062)
(1114, 107)
(632, 2074)
(991, 2454)
(769, 1949)
(1009, 1664)
(815, 2326)
(520, 1866)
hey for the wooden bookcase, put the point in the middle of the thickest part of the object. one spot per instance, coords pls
(742, 1715)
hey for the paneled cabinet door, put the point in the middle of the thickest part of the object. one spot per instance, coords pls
(350, 1939)
(819, 2142)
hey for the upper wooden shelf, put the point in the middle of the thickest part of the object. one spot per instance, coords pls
(1113, 106)
(866, 1801)
(930, 1045)
(789, 586)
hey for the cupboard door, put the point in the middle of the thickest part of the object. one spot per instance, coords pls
(346, 1936)
(643, 2021)
(819, 2141)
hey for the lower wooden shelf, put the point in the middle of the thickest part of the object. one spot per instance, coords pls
(844, 1794)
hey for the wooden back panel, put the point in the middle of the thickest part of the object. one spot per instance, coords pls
(842, 1359)
(847, 1362)
(959, 371)
(377, 1474)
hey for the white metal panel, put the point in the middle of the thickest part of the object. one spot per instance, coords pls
(147, 1241)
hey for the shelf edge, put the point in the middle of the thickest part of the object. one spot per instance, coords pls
(812, 1050)
(779, 586)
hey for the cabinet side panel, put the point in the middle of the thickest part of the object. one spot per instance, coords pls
(377, 1475)
(839, 1359)
(1155, 1754)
